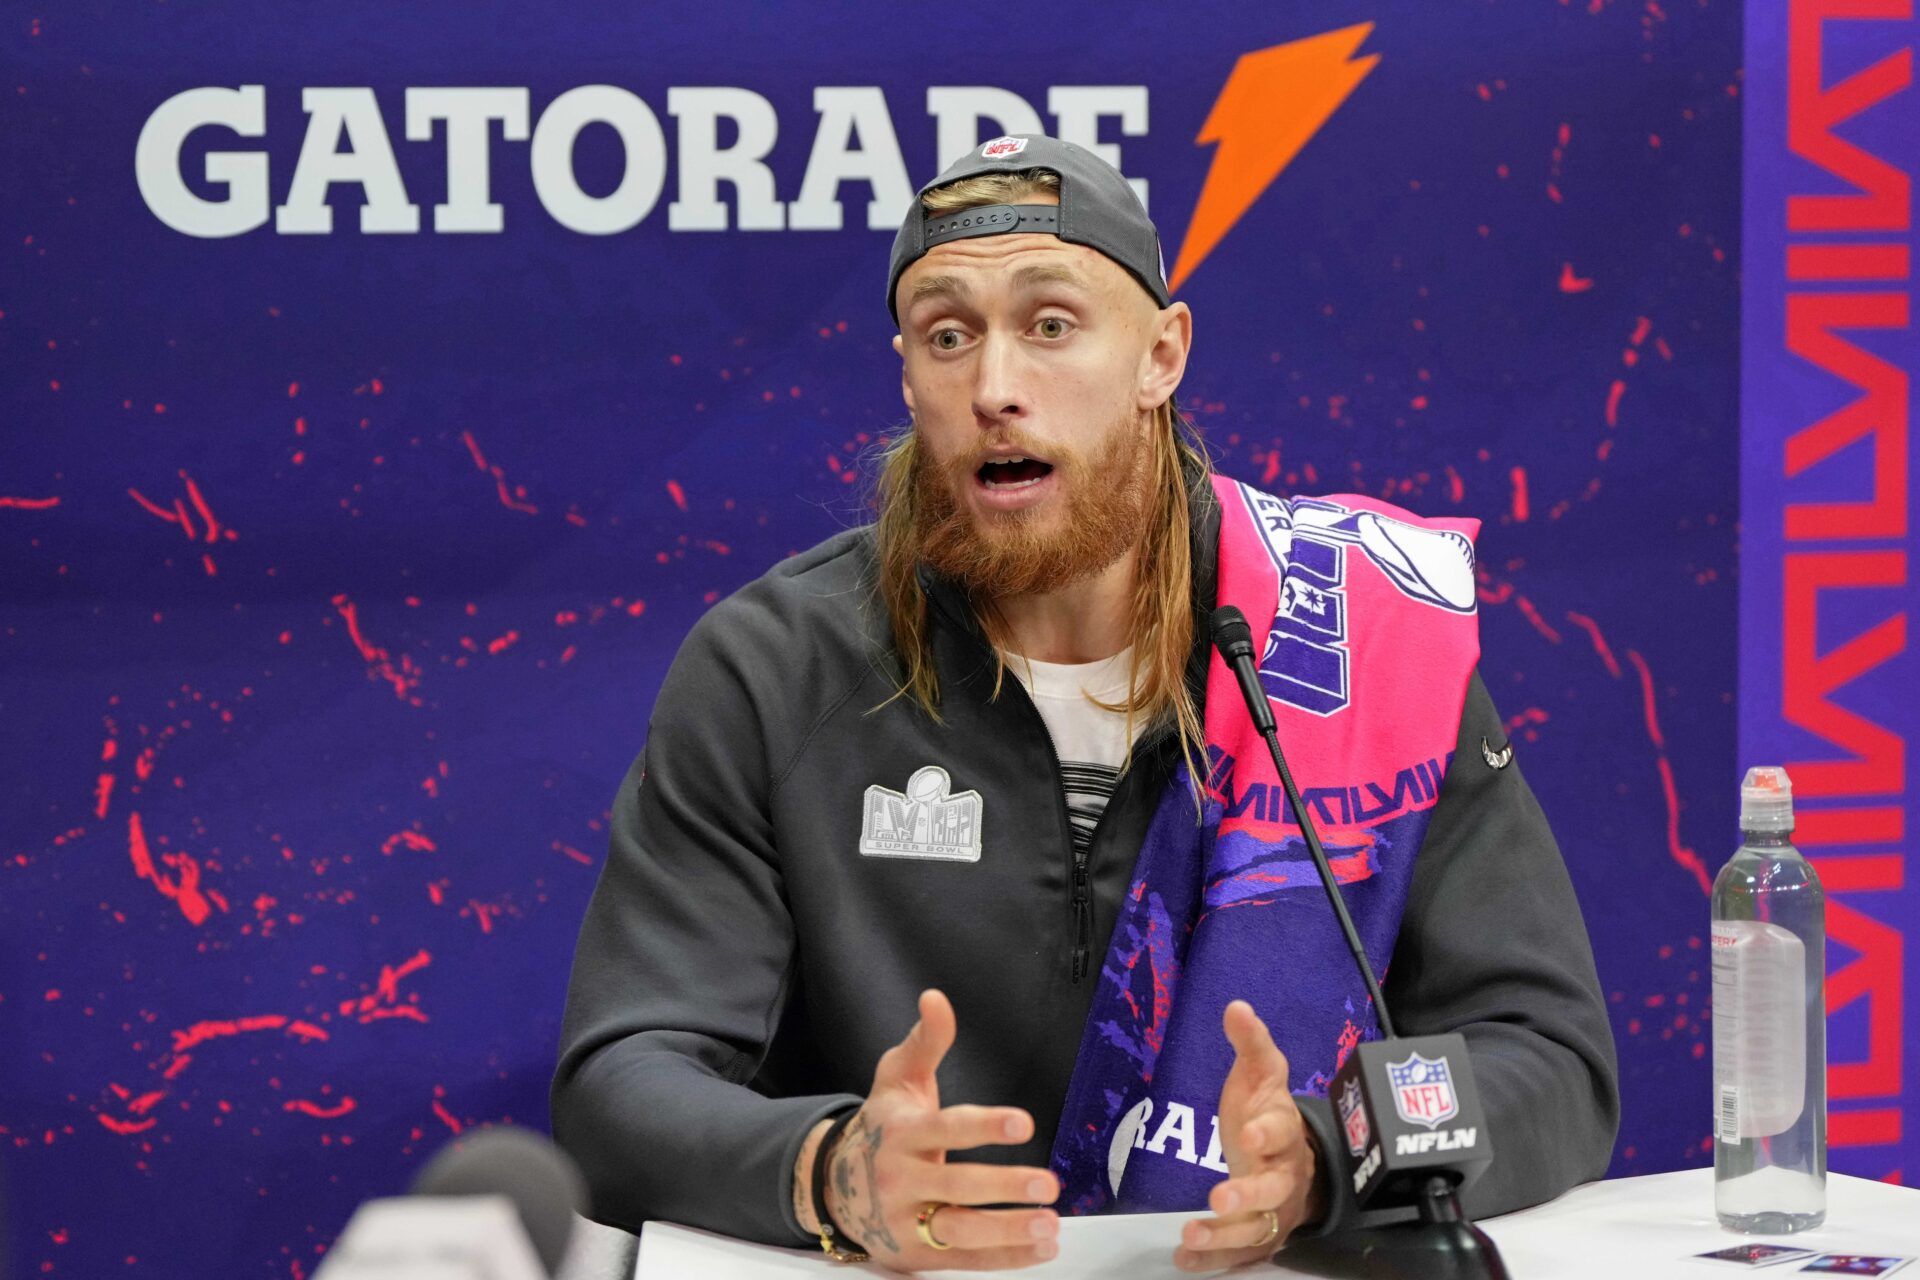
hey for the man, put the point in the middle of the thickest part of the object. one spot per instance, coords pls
(843, 809)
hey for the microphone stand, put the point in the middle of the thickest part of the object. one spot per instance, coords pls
(1443, 1244)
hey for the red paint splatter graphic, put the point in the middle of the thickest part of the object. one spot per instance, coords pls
(403, 676)
(1614, 393)
(407, 840)
(384, 1000)
(514, 500)
(1532, 615)
(126, 1126)
(446, 1117)
(1592, 629)
(1526, 723)
(1682, 854)
(1349, 1040)
(190, 1038)
(214, 1029)
(178, 515)
(1561, 141)
(184, 887)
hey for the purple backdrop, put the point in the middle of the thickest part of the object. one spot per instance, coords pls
(340, 567)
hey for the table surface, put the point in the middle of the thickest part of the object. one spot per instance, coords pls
(1644, 1227)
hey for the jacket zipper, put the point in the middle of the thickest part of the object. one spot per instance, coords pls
(1081, 892)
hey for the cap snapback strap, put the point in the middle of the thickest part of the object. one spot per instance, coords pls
(993, 219)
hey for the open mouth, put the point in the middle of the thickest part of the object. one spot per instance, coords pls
(1012, 473)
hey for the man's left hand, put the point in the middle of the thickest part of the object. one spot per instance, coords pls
(1271, 1160)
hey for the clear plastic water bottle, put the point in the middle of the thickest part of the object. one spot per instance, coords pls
(1769, 1023)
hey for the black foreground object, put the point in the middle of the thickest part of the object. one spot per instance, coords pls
(544, 1185)
(1442, 1245)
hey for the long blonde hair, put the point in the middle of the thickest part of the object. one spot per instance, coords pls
(1162, 613)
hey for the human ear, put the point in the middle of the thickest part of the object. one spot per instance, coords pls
(906, 391)
(1165, 361)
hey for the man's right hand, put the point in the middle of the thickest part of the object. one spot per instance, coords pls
(892, 1158)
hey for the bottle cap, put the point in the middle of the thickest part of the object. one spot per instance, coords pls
(1766, 799)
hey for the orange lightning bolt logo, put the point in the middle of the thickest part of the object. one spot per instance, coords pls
(1273, 102)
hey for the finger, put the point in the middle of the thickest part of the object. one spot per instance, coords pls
(915, 1058)
(1277, 1131)
(1251, 1040)
(1002, 1259)
(974, 1229)
(967, 1183)
(964, 1125)
(1211, 1235)
(931, 1036)
(1222, 1259)
(1268, 1189)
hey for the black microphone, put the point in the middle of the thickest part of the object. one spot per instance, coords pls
(498, 1203)
(1234, 639)
(1391, 1106)
(546, 1187)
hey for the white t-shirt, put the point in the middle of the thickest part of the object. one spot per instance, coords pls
(1091, 742)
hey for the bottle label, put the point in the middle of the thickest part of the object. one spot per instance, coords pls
(1759, 1029)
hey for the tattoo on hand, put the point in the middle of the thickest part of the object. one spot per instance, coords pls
(843, 1178)
(862, 1141)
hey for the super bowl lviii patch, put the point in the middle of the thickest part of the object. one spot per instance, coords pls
(924, 821)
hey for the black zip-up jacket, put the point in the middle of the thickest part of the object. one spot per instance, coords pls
(742, 965)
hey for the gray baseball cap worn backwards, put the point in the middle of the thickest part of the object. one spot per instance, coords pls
(1097, 208)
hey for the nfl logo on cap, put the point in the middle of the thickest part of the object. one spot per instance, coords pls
(1005, 145)
(1423, 1090)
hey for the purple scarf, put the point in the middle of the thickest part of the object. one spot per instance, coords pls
(1370, 625)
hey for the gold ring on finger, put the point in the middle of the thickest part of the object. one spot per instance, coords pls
(1273, 1228)
(923, 1223)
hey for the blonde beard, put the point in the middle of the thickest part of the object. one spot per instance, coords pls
(1107, 511)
